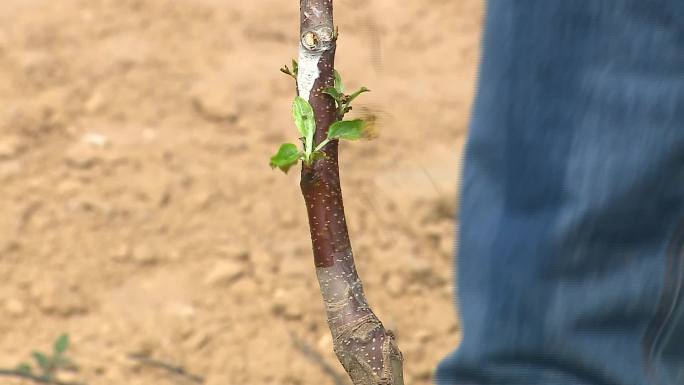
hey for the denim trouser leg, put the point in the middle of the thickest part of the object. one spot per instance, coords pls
(571, 252)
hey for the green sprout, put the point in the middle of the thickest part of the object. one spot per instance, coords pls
(289, 154)
(291, 72)
(47, 365)
(342, 100)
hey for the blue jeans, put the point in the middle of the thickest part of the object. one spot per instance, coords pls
(571, 242)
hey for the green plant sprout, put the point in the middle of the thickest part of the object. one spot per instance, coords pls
(291, 72)
(288, 154)
(47, 365)
(342, 101)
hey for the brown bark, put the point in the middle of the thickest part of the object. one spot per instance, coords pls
(365, 348)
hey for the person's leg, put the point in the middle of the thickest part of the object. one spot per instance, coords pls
(571, 251)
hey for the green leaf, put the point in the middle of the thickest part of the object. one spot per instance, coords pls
(339, 86)
(61, 344)
(42, 360)
(356, 94)
(291, 72)
(304, 118)
(347, 129)
(334, 93)
(287, 156)
(24, 368)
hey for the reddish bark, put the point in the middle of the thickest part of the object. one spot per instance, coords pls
(365, 348)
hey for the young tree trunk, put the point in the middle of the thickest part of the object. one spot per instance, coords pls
(365, 348)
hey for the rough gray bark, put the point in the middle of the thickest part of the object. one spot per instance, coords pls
(367, 351)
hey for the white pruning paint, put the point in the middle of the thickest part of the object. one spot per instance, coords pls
(308, 71)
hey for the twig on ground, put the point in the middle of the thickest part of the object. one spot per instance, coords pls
(174, 369)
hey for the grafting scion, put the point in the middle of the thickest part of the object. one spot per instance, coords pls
(366, 349)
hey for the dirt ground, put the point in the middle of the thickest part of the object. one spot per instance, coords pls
(139, 213)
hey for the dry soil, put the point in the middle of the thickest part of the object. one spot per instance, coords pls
(139, 213)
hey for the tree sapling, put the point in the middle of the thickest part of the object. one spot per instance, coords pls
(367, 351)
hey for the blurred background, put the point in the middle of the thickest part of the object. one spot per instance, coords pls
(139, 214)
